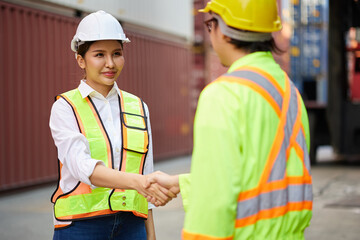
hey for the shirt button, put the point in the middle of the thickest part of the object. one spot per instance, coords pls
(124, 204)
(124, 197)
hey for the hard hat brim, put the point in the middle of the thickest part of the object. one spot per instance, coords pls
(205, 10)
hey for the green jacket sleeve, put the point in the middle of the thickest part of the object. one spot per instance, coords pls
(184, 183)
(211, 198)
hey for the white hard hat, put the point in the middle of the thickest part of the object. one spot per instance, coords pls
(98, 26)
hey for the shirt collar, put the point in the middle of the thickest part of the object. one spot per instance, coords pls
(86, 90)
(250, 59)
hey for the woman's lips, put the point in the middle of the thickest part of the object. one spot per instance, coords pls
(109, 74)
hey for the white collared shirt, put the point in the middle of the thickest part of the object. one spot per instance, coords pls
(73, 147)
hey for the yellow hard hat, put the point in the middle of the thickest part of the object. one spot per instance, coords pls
(251, 15)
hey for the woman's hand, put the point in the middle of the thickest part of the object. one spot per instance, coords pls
(110, 178)
(169, 185)
(160, 194)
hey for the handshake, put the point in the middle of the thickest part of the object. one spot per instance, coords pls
(159, 188)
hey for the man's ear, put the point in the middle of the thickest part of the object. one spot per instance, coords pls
(81, 61)
(226, 38)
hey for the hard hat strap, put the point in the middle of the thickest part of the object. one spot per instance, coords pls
(241, 35)
(78, 43)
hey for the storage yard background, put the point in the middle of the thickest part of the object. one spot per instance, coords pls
(36, 64)
(168, 63)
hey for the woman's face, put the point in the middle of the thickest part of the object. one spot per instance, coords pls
(102, 63)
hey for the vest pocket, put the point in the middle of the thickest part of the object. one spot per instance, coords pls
(139, 140)
(135, 132)
(134, 121)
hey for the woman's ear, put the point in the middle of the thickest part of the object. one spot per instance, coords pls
(81, 61)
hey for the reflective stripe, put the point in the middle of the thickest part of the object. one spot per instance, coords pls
(260, 80)
(279, 168)
(196, 236)
(276, 193)
(300, 139)
(277, 198)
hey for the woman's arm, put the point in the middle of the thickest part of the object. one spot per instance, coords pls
(110, 178)
(149, 225)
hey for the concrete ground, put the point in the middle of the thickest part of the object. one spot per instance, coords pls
(336, 215)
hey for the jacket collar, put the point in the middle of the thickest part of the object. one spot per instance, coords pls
(250, 59)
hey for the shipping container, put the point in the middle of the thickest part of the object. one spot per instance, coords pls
(314, 11)
(309, 48)
(295, 58)
(308, 12)
(36, 64)
(313, 50)
(295, 9)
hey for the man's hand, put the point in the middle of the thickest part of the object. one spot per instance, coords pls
(160, 195)
(169, 185)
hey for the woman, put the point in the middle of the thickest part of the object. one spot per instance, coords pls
(103, 138)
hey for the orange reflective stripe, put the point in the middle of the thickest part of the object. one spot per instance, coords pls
(124, 129)
(98, 213)
(62, 225)
(108, 148)
(142, 164)
(196, 236)
(274, 185)
(300, 180)
(138, 214)
(273, 213)
(299, 151)
(296, 129)
(279, 136)
(259, 89)
(146, 137)
(81, 125)
(81, 189)
(87, 215)
(265, 75)
(123, 164)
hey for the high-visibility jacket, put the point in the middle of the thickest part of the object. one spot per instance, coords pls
(83, 202)
(250, 172)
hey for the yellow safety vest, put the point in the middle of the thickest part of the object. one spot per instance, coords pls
(83, 202)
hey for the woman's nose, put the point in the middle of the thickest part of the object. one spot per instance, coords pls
(109, 62)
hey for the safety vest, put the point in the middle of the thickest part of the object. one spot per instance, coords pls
(277, 193)
(250, 147)
(83, 202)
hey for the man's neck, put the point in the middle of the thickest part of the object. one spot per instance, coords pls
(236, 55)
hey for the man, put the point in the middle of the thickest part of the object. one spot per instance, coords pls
(250, 173)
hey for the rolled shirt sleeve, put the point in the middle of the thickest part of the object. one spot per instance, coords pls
(73, 148)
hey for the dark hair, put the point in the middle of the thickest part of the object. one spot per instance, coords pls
(251, 47)
(83, 48)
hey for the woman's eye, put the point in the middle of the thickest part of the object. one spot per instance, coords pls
(99, 55)
(118, 53)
